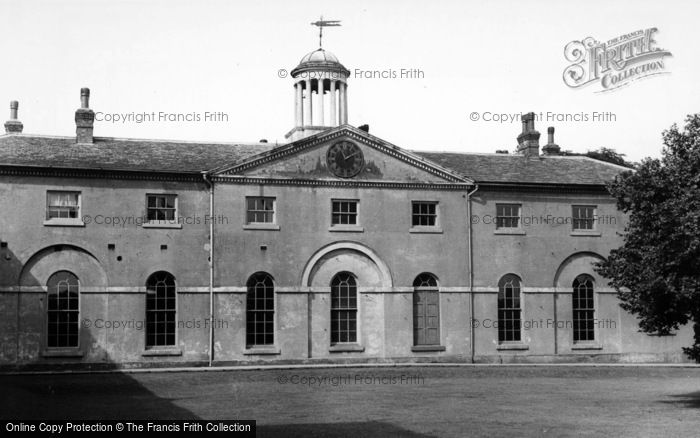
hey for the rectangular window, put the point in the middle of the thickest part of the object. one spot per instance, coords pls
(161, 207)
(424, 214)
(583, 217)
(260, 210)
(344, 212)
(507, 216)
(62, 205)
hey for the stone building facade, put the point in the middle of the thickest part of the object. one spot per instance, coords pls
(335, 247)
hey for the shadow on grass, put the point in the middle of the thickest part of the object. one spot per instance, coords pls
(337, 430)
(689, 400)
(83, 397)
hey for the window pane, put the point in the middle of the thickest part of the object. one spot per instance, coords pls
(260, 310)
(260, 210)
(507, 215)
(160, 310)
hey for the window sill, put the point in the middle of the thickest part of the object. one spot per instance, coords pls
(516, 346)
(421, 348)
(425, 230)
(64, 223)
(587, 347)
(339, 348)
(162, 351)
(346, 229)
(262, 350)
(514, 232)
(268, 227)
(586, 233)
(62, 352)
(162, 224)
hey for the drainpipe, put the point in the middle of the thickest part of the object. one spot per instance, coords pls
(210, 185)
(470, 257)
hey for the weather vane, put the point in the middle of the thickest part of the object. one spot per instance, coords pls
(321, 24)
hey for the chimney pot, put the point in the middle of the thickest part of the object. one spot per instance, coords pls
(14, 106)
(13, 126)
(85, 98)
(84, 118)
(551, 148)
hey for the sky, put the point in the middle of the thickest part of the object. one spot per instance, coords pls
(472, 57)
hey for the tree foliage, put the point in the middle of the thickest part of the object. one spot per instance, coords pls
(657, 270)
(608, 155)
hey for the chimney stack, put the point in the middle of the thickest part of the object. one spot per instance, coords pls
(529, 139)
(551, 148)
(84, 118)
(13, 126)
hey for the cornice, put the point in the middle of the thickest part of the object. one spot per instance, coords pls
(541, 187)
(350, 183)
(98, 173)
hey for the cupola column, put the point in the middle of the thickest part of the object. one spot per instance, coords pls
(298, 108)
(331, 92)
(308, 121)
(343, 104)
(320, 102)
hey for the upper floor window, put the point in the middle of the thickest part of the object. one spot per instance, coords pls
(260, 210)
(161, 207)
(507, 216)
(62, 206)
(583, 217)
(344, 212)
(424, 214)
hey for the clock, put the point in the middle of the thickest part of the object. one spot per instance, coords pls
(345, 159)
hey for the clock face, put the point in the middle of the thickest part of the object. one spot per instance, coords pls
(345, 159)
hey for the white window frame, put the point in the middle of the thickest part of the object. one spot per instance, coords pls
(437, 228)
(356, 227)
(269, 226)
(175, 223)
(65, 222)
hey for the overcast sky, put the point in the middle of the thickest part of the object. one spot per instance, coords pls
(224, 56)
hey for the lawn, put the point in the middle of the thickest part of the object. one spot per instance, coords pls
(493, 401)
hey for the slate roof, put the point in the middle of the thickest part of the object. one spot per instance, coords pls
(514, 168)
(123, 154)
(191, 157)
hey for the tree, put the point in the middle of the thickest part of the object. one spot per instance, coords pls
(656, 272)
(609, 155)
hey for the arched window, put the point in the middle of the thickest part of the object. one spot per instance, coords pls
(584, 309)
(343, 308)
(426, 310)
(260, 310)
(509, 308)
(63, 310)
(160, 310)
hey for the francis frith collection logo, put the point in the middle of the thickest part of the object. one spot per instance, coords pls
(616, 62)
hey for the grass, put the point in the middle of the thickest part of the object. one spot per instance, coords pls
(425, 402)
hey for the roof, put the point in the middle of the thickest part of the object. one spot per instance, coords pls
(192, 157)
(319, 55)
(122, 154)
(518, 169)
(320, 60)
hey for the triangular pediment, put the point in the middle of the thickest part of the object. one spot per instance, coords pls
(315, 158)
